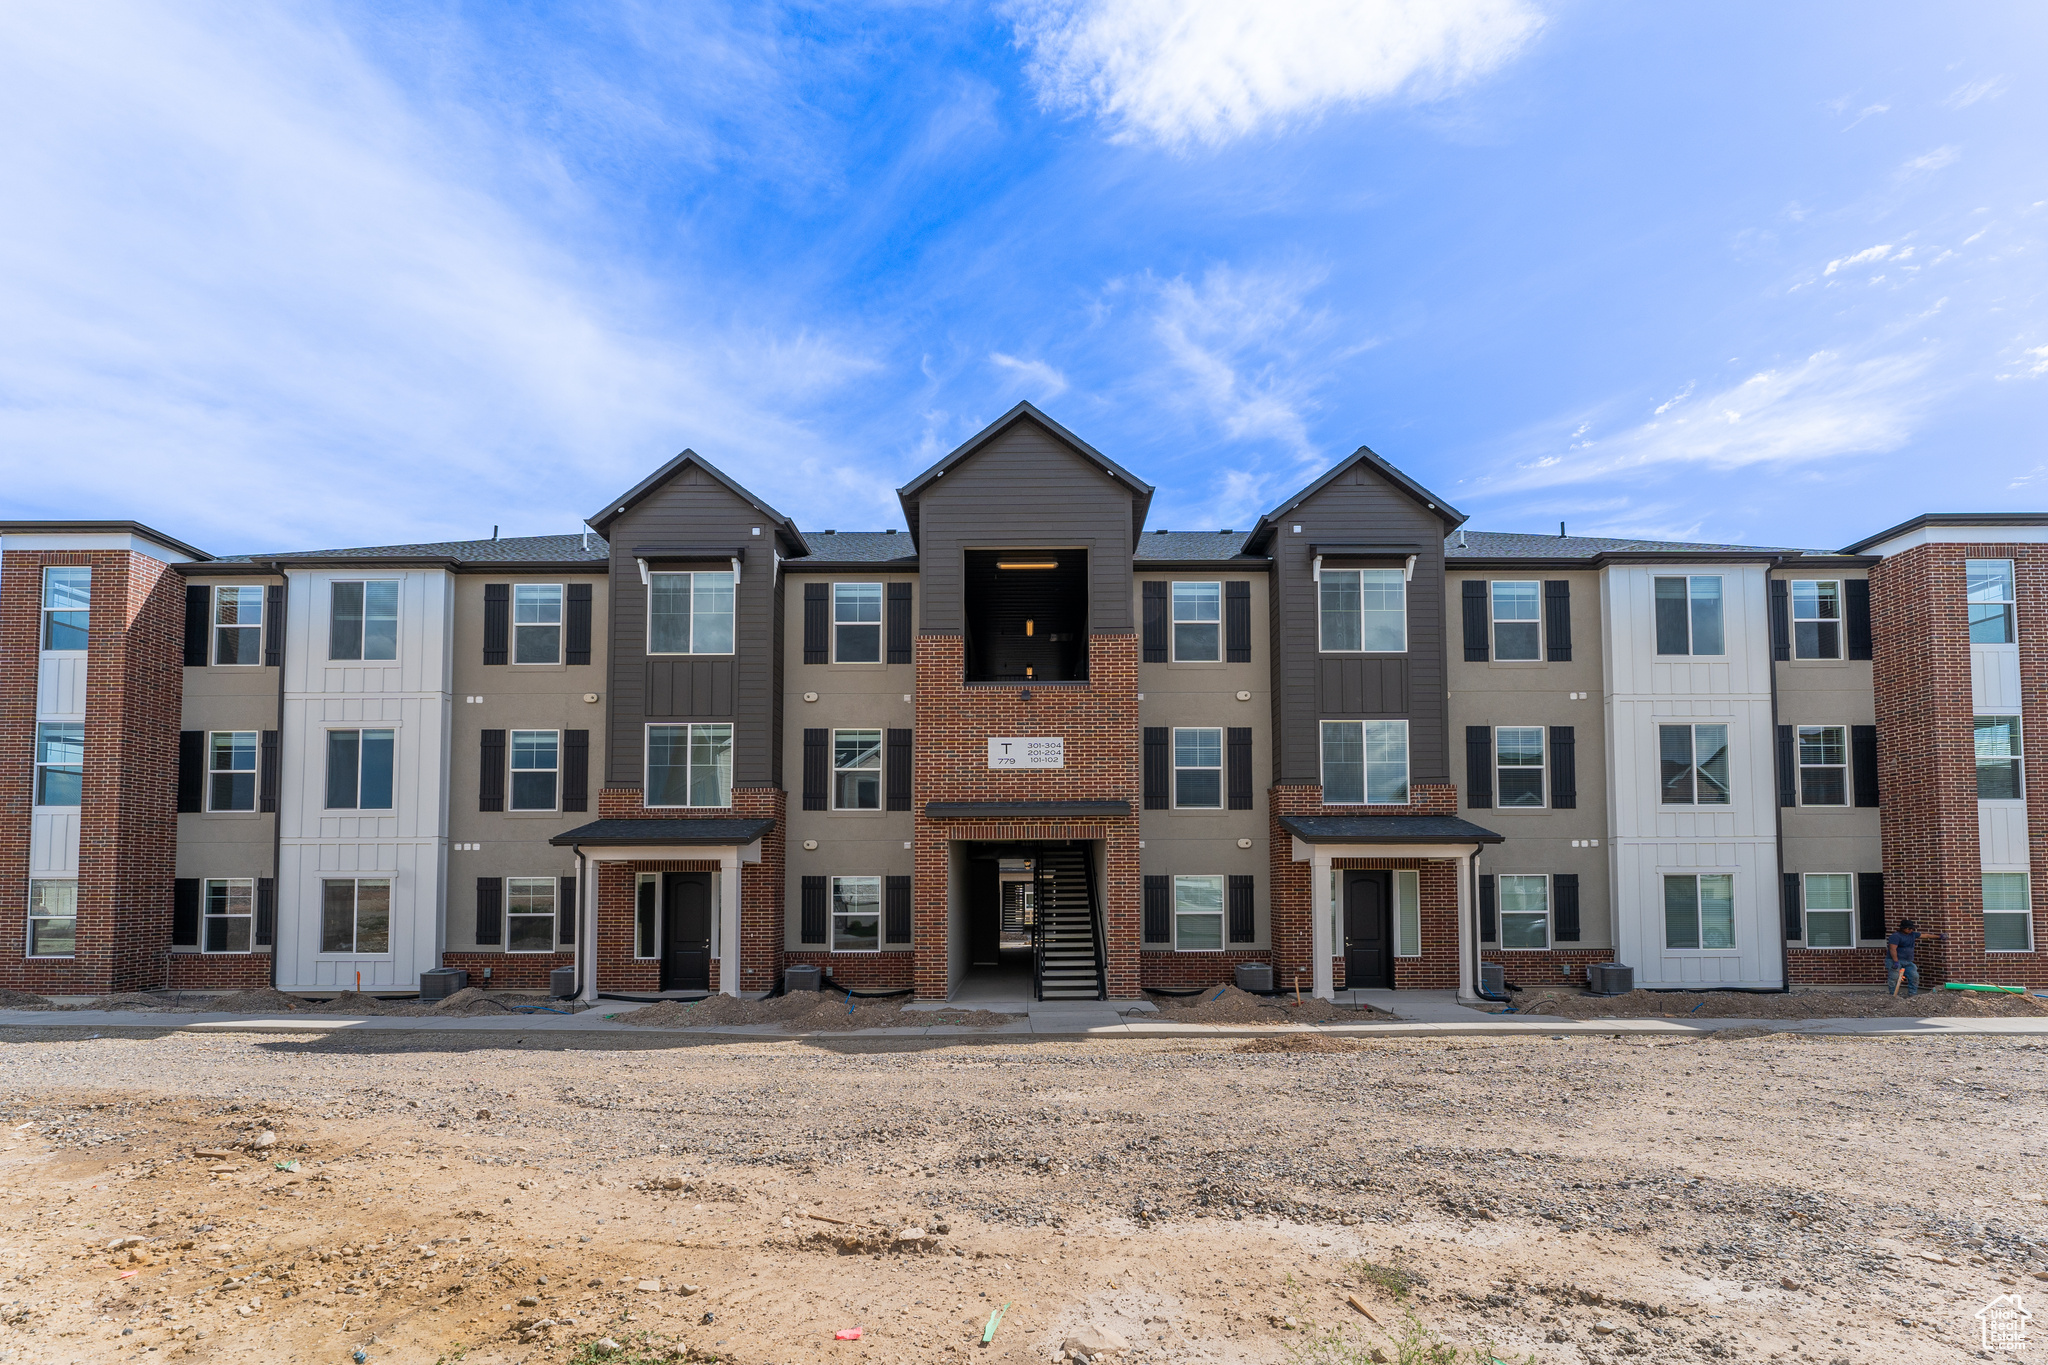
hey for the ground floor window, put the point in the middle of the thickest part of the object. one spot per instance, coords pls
(230, 908)
(530, 914)
(856, 914)
(1198, 914)
(1407, 914)
(1830, 910)
(355, 915)
(52, 918)
(1525, 912)
(646, 900)
(1699, 911)
(2008, 913)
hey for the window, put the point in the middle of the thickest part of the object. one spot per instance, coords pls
(1198, 769)
(238, 626)
(856, 914)
(1998, 759)
(52, 918)
(536, 623)
(856, 770)
(2008, 913)
(1407, 914)
(1364, 611)
(1699, 911)
(1525, 912)
(1823, 765)
(60, 763)
(1816, 619)
(362, 620)
(1689, 616)
(857, 623)
(1365, 762)
(1991, 599)
(231, 770)
(1198, 914)
(359, 769)
(536, 758)
(689, 613)
(355, 915)
(230, 903)
(1830, 910)
(1694, 764)
(530, 914)
(1517, 621)
(67, 606)
(689, 765)
(646, 898)
(1518, 755)
(1197, 623)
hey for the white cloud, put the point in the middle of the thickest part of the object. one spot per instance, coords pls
(1208, 71)
(1863, 257)
(1932, 161)
(1234, 341)
(1988, 88)
(1047, 381)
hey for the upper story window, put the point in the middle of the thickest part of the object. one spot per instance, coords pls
(1823, 765)
(1197, 623)
(1364, 611)
(67, 606)
(238, 626)
(1518, 761)
(1198, 769)
(689, 613)
(231, 770)
(363, 619)
(857, 623)
(1998, 759)
(60, 763)
(1693, 760)
(1365, 762)
(536, 623)
(689, 765)
(536, 762)
(1517, 621)
(359, 769)
(1689, 615)
(1816, 619)
(1991, 601)
(856, 770)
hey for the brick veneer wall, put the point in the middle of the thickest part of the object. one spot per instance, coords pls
(524, 971)
(1554, 967)
(860, 971)
(217, 971)
(1838, 966)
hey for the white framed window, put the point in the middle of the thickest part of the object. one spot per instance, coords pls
(1198, 914)
(355, 915)
(1699, 911)
(362, 620)
(856, 914)
(1524, 911)
(1816, 618)
(856, 623)
(1518, 621)
(646, 915)
(60, 762)
(1407, 914)
(1990, 586)
(530, 914)
(1365, 762)
(359, 769)
(536, 765)
(1197, 623)
(536, 623)
(1689, 615)
(1518, 765)
(230, 904)
(52, 918)
(1823, 765)
(1830, 910)
(856, 770)
(1363, 611)
(67, 607)
(689, 765)
(1198, 769)
(690, 613)
(1693, 765)
(231, 770)
(1999, 777)
(237, 627)
(2008, 913)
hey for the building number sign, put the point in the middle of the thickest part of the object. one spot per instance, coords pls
(1015, 752)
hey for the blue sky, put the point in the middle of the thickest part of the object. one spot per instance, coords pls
(346, 274)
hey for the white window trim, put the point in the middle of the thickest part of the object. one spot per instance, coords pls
(560, 625)
(2026, 916)
(1690, 652)
(512, 773)
(1175, 769)
(205, 894)
(646, 764)
(1320, 647)
(359, 729)
(880, 770)
(1221, 914)
(1494, 621)
(1500, 912)
(390, 879)
(1840, 622)
(215, 627)
(1735, 926)
(1365, 757)
(2011, 604)
(1657, 757)
(36, 766)
(653, 943)
(554, 917)
(1806, 913)
(397, 636)
(833, 914)
(1799, 770)
(832, 599)
(1542, 770)
(28, 915)
(1173, 621)
(1407, 887)
(647, 627)
(255, 776)
(43, 613)
(2019, 760)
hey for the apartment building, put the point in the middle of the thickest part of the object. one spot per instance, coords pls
(1023, 743)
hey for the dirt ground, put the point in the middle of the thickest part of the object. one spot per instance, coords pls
(497, 1198)
(1782, 1005)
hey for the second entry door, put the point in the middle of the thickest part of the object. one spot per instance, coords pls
(686, 931)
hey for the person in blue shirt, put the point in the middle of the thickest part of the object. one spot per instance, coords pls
(1898, 957)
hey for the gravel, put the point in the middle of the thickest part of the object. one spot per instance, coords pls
(1783, 1005)
(1229, 1005)
(808, 1012)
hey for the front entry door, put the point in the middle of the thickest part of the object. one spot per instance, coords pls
(1368, 929)
(686, 931)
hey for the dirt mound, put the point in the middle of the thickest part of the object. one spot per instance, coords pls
(1229, 1005)
(261, 1000)
(355, 1002)
(1297, 1042)
(471, 1001)
(21, 1000)
(127, 1000)
(807, 1012)
(1793, 1005)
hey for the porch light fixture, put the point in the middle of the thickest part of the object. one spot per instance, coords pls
(1027, 564)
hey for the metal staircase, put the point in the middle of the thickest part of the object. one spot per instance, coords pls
(1069, 955)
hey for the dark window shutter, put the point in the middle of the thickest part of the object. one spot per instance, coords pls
(1237, 621)
(813, 930)
(198, 610)
(1863, 763)
(1154, 592)
(1479, 767)
(1237, 749)
(185, 912)
(1557, 620)
(1476, 651)
(1564, 767)
(497, 622)
(1788, 768)
(191, 770)
(817, 623)
(266, 912)
(1795, 927)
(1158, 910)
(1242, 929)
(575, 770)
(1156, 772)
(1488, 921)
(1856, 616)
(490, 783)
(896, 909)
(490, 909)
(899, 624)
(816, 744)
(576, 616)
(1870, 905)
(1781, 620)
(565, 913)
(897, 777)
(1564, 908)
(266, 772)
(273, 626)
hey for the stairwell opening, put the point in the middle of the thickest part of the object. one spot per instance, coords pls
(1027, 921)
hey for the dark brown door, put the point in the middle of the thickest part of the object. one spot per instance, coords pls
(1368, 929)
(686, 932)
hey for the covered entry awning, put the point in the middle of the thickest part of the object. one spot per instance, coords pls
(663, 834)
